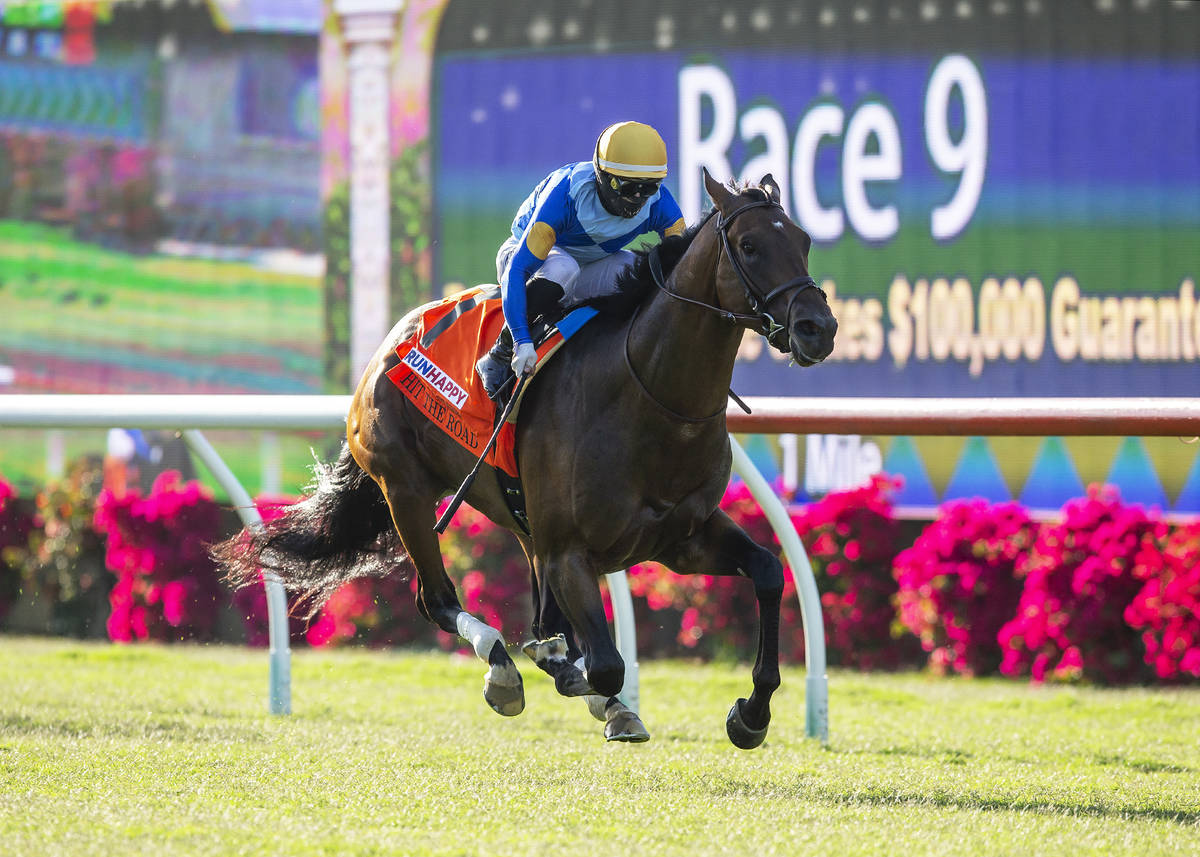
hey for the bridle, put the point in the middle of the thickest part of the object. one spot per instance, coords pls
(765, 322)
(762, 320)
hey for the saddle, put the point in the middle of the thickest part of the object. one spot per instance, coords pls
(437, 373)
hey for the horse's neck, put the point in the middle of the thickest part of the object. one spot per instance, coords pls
(683, 354)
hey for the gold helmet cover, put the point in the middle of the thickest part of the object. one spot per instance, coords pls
(631, 150)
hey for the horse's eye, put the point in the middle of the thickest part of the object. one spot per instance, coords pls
(746, 246)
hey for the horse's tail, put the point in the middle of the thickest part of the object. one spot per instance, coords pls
(341, 531)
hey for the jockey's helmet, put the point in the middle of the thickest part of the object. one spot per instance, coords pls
(630, 162)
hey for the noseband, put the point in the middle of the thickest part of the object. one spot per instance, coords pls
(763, 321)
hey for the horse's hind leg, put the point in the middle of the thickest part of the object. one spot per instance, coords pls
(438, 602)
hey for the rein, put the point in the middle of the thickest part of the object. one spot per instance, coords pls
(767, 325)
(633, 372)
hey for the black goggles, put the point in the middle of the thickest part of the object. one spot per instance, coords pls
(634, 188)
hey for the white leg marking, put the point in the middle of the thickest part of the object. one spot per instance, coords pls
(480, 635)
(595, 702)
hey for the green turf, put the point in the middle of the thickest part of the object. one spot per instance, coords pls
(147, 750)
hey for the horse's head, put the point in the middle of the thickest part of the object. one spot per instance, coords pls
(763, 272)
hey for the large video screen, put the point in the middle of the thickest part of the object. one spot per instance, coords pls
(160, 210)
(1004, 197)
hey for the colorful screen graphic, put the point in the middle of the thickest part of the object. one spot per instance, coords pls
(1004, 197)
(993, 215)
(160, 210)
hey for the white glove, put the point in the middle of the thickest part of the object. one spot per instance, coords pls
(524, 359)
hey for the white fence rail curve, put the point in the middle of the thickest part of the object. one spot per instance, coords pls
(191, 413)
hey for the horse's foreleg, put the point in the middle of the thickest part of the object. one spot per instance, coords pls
(570, 600)
(576, 589)
(553, 648)
(723, 548)
(438, 602)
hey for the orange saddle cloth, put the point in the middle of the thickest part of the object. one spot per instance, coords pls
(437, 369)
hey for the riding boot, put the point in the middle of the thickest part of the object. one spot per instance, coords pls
(495, 367)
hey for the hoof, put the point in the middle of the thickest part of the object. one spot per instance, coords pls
(623, 725)
(540, 651)
(502, 694)
(742, 736)
(551, 657)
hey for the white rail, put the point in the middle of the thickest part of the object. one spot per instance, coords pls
(192, 413)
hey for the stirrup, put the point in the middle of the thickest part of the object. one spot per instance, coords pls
(495, 367)
(497, 376)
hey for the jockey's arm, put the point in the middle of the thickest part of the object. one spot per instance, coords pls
(675, 228)
(535, 245)
(541, 233)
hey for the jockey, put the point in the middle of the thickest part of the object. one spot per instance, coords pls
(568, 237)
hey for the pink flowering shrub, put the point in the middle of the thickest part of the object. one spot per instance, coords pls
(1079, 578)
(958, 585)
(852, 539)
(1110, 594)
(167, 587)
(491, 574)
(1167, 607)
(16, 523)
(373, 611)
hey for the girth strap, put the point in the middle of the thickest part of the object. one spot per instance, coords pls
(514, 497)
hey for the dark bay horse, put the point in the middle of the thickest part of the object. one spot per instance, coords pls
(624, 457)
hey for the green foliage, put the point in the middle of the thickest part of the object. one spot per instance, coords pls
(411, 214)
(63, 563)
(337, 290)
(410, 282)
(16, 522)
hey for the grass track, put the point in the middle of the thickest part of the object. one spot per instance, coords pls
(107, 750)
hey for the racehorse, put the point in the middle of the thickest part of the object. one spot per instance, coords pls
(624, 457)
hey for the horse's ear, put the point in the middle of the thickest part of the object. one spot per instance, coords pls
(770, 187)
(719, 193)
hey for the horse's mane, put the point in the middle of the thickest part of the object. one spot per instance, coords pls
(636, 282)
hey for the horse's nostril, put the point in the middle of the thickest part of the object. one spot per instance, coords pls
(808, 328)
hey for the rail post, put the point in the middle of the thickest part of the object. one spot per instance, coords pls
(279, 681)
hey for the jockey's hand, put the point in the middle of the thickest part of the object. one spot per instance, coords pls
(524, 359)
